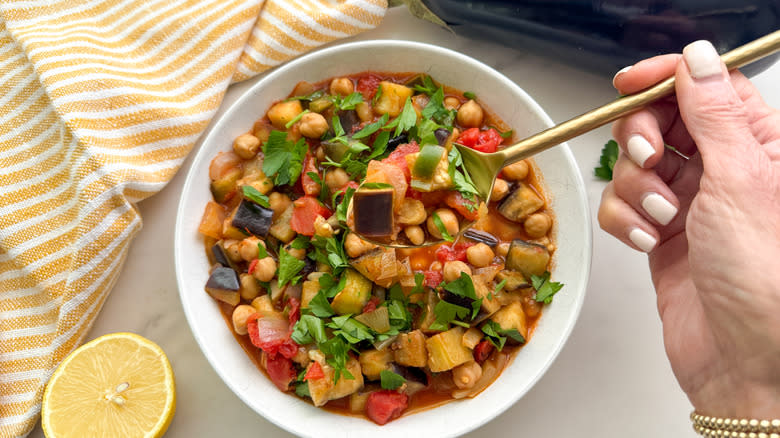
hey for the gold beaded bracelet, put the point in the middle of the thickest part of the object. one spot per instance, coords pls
(735, 427)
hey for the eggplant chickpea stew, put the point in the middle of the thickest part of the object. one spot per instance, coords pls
(345, 324)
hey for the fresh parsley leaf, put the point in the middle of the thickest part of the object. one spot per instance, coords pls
(418, 284)
(319, 305)
(442, 229)
(330, 250)
(491, 329)
(255, 196)
(347, 102)
(506, 134)
(609, 156)
(302, 389)
(330, 287)
(295, 119)
(376, 186)
(514, 334)
(461, 180)
(545, 289)
(469, 95)
(336, 351)
(436, 111)
(380, 144)
(300, 242)
(426, 132)
(283, 159)
(309, 329)
(352, 330)
(311, 96)
(289, 267)
(446, 313)
(377, 95)
(405, 120)
(261, 251)
(341, 209)
(391, 380)
(428, 86)
(498, 288)
(371, 128)
(462, 286)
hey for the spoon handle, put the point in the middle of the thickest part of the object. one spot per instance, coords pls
(624, 105)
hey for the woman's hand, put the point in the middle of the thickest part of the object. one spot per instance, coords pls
(709, 217)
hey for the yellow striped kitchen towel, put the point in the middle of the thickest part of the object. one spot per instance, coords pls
(100, 102)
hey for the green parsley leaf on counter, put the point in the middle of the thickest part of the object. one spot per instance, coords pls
(609, 156)
(391, 380)
(545, 289)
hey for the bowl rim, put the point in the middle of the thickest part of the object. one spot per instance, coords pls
(269, 78)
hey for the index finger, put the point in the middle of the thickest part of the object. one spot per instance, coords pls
(645, 73)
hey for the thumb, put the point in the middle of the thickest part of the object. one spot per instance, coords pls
(713, 112)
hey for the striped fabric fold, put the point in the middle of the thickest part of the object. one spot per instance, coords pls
(100, 102)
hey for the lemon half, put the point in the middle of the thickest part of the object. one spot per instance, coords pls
(118, 385)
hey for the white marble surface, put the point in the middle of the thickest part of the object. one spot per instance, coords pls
(612, 378)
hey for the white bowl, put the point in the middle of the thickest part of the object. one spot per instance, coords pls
(571, 260)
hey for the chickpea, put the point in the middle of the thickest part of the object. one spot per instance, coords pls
(470, 114)
(249, 288)
(278, 202)
(232, 250)
(500, 190)
(364, 111)
(537, 224)
(262, 130)
(246, 146)
(341, 86)
(415, 234)
(466, 375)
(452, 270)
(451, 102)
(412, 212)
(313, 125)
(502, 249)
(265, 269)
(516, 171)
(448, 219)
(283, 112)
(248, 248)
(322, 227)
(356, 246)
(336, 178)
(320, 154)
(480, 255)
(436, 266)
(240, 315)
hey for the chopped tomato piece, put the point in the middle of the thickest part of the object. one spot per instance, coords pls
(367, 86)
(466, 208)
(433, 278)
(281, 371)
(309, 185)
(482, 351)
(252, 266)
(371, 305)
(483, 141)
(288, 348)
(293, 311)
(305, 212)
(343, 190)
(315, 372)
(398, 157)
(386, 405)
(446, 253)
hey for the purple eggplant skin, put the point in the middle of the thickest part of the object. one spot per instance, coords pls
(450, 297)
(253, 218)
(441, 136)
(348, 119)
(481, 236)
(220, 256)
(223, 278)
(397, 141)
(373, 212)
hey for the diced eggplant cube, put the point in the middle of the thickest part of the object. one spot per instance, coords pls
(481, 236)
(223, 285)
(348, 120)
(520, 203)
(458, 300)
(514, 280)
(219, 255)
(253, 218)
(373, 212)
(397, 141)
(409, 349)
(527, 258)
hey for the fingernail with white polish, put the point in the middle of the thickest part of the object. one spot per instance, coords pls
(639, 149)
(659, 208)
(702, 59)
(621, 71)
(642, 240)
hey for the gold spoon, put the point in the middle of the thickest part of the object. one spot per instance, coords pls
(483, 167)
